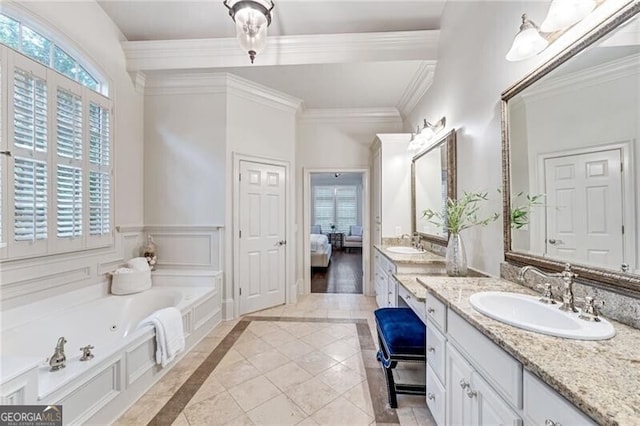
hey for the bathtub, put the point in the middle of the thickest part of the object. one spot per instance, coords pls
(123, 367)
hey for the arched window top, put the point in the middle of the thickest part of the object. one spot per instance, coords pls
(20, 36)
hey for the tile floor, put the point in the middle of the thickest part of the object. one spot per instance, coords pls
(306, 364)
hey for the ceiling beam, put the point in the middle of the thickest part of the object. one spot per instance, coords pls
(158, 55)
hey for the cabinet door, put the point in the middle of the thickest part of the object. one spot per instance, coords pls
(488, 408)
(382, 294)
(458, 404)
(392, 293)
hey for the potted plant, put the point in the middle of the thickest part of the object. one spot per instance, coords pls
(458, 215)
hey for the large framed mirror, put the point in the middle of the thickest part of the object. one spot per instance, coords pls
(571, 159)
(433, 180)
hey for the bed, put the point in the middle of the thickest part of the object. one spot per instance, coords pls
(320, 250)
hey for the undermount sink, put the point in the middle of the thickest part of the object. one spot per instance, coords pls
(527, 312)
(404, 250)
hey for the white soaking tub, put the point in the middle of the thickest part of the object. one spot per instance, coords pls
(99, 390)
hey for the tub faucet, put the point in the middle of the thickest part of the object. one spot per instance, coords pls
(567, 275)
(58, 359)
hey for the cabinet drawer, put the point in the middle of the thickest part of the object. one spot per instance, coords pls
(542, 403)
(435, 397)
(502, 371)
(437, 312)
(417, 306)
(436, 351)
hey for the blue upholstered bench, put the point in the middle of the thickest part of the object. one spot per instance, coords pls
(402, 338)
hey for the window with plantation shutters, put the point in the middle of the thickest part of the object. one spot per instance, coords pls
(56, 168)
(335, 205)
(99, 170)
(346, 208)
(30, 199)
(323, 207)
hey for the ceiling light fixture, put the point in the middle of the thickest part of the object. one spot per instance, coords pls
(252, 17)
(564, 13)
(528, 42)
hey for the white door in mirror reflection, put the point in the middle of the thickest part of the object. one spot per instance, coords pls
(585, 208)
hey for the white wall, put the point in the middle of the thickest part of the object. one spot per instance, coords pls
(471, 74)
(88, 30)
(333, 144)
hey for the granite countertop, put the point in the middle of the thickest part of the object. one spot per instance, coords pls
(425, 258)
(602, 378)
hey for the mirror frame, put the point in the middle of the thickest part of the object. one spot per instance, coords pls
(452, 181)
(619, 282)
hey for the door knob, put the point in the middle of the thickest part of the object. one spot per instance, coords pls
(281, 243)
(555, 242)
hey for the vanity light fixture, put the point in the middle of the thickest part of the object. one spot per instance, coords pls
(528, 42)
(564, 13)
(430, 130)
(416, 143)
(252, 17)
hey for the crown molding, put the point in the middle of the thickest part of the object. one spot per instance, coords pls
(592, 76)
(416, 89)
(219, 83)
(350, 115)
(139, 80)
(283, 50)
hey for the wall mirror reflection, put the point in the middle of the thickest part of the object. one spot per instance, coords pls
(433, 180)
(574, 160)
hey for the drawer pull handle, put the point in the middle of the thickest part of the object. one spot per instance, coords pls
(431, 396)
(471, 393)
(431, 349)
(430, 310)
(464, 384)
(549, 422)
(407, 297)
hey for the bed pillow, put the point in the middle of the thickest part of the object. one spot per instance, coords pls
(316, 229)
(355, 230)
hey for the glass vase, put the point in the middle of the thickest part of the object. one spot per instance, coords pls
(456, 258)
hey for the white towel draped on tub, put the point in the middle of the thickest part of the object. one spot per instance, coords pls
(169, 333)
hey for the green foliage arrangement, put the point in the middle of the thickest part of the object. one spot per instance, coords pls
(521, 214)
(461, 213)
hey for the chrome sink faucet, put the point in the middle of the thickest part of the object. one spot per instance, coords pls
(58, 359)
(567, 275)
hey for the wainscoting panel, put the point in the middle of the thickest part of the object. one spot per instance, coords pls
(187, 247)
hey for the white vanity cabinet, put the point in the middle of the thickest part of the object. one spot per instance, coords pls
(385, 286)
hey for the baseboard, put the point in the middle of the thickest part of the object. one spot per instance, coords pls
(227, 310)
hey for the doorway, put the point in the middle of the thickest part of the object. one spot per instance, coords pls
(336, 210)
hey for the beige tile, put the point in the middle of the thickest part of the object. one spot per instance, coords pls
(248, 348)
(341, 330)
(312, 395)
(179, 373)
(411, 401)
(261, 328)
(307, 422)
(207, 345)
(340, 350)
(342, 412)
(318, 339)
(424, 417)
(210, 387)
(278, 338)
(360, 397)
(230, 358)
(288, 375)
(355, 363)
(181, 420)
(406, 416)
(268, 360)
(236, 373)
(315, 362)
(254, 392)
(280, 411)
(341, 378)
(295, 349)
(301, 329)
(243, 420)
(143, 410)
(217, 410)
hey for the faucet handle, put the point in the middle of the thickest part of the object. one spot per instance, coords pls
(547, 293)
(568, 272)
(591, 309)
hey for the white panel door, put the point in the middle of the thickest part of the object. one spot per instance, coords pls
(585, 208)
(488, 408)
(458, 404)
(262, 242)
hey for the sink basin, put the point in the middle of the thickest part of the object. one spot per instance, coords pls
(404, 250)
(527, 312)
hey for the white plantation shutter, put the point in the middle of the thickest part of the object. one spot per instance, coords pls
(29, 111)
(69, 125)
(100, 221)
(30, 197)
(69, 202)
(346, 208)
(323, 207)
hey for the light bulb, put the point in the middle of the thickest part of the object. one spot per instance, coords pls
(527, 43)
(251, 30)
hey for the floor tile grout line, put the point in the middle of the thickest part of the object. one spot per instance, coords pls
(172, 409)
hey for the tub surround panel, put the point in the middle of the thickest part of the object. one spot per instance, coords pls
(188, 246)
(619, 307)
(599, 377)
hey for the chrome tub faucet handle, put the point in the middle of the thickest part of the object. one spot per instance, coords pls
(591, 309)
(58, 359)
(547, 294)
